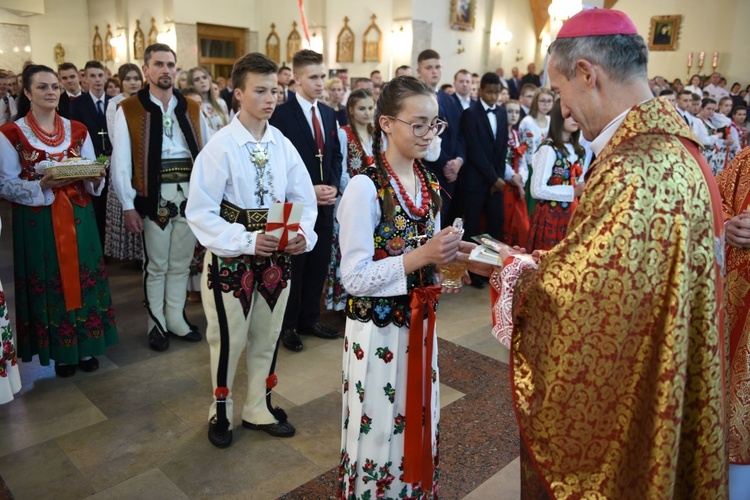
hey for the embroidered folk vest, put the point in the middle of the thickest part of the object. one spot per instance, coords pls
(144, 119)
(393, 238)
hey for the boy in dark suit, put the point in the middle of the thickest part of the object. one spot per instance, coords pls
(484, 126)
(311, 126)
(89, 108)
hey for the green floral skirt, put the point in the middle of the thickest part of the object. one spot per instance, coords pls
(43, 325)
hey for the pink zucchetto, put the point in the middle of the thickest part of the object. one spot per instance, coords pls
(597, 22)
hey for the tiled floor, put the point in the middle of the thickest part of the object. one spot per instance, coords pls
(137, 427)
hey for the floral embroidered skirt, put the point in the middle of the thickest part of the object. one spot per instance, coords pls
(119, 243)
(10, 380)
(549, 224)
(43, 325)
(335, 295)
(373, 414)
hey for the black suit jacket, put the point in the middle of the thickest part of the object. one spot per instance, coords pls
(453, 145)
(514, 87)
(227, 94)
(458, 101)
(290, 120)
(82, 109)
(530, 78)
(485, 153)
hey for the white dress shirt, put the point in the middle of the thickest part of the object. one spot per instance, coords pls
(358, 215)
(224, 171)
(30, 193)
(715, 92)
(492, 117)
(465, 103)
(171, 148)
(307, 110)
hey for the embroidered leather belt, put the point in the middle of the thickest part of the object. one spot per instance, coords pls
(382, 311)
(254, 219)
(553, 204)
(175, 170)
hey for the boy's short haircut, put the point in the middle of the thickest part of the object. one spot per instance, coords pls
(461, 72)
(188, 91)
(666, 92)
(427, 54)
(444, 86)
(284, 67)
(93, 65)
(527, 87)
(685, 92)
(306, 57)
(376, 72)
(67, 66)
(695, 97)
(489, 78)
(254, 62)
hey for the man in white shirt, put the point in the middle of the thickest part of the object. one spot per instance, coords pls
(462, 88)
(158, 133)
(248, 166)
(715, 91)
(68, 74)
(7, 103)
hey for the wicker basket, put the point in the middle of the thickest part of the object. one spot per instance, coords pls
(74, 168)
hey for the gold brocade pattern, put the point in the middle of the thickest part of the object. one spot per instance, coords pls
(617, 367)
(734, 185)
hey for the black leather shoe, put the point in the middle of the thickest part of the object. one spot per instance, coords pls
(319, 331)
(291, 340)
(64, 371)
(89, 365)
(219, 437)
(279, 429)
(192, 336)
(158, 341)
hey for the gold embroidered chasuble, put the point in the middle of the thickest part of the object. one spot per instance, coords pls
(734, 184)
(617, 357)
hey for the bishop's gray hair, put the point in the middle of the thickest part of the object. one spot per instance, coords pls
(622, 57)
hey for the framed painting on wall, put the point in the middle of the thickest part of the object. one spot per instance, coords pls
(462, 14)
(664, 32)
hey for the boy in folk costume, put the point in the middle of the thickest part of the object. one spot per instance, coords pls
(158, 135)
(248, 166)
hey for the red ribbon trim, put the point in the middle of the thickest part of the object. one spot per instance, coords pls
(63, 225)
(272, 226)
(418, 464)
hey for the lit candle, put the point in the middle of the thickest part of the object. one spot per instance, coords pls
(700, 59)
(690, 60)
(715, 62)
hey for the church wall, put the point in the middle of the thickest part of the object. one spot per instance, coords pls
(517, 18)
(63, 22)
(718, 26)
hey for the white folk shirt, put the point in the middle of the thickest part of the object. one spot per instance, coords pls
(7, 112)
(224, 171)
(358, 215)
(307, 110)
(30, 193)
(171, 148)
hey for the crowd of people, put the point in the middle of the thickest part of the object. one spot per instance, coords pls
(381, 170)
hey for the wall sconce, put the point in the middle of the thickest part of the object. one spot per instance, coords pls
(505, 37)
(562, 10)
(316, 42)
(119, 44)
(519, 57)
(461, 49)
(169, 37)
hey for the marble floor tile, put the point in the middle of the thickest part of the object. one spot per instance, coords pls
(256, 465)
(318, 425)
(505, 485)
(43, 471)
(449, 395)
(151, 485)
(482, 341)
(125, 446)
(48, 411)
(312, 373)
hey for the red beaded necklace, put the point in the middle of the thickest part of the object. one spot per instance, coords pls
(421, 211)
(53, 139)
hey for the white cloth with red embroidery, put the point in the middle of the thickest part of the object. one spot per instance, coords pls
(504, 282)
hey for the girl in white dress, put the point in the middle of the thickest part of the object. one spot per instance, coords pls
(390, 244)
(215, 110)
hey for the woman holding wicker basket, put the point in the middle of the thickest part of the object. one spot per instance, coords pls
(63, 304)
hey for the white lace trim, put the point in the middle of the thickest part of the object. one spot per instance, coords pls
(502, 310)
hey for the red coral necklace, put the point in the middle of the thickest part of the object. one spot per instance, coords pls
(421, 211)
(53, 139)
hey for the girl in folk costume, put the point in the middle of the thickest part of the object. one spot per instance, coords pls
(533, 130)
(738, 131)
(555, 181)
(215, 110)
(118, 241)
(716, 140)
(516, 222)
(63, 305)
(10, 380)
(356, 149)
(722, 121)
(390, 244)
